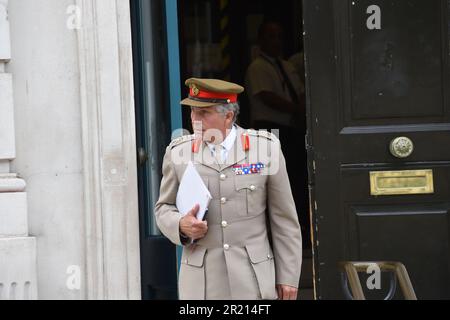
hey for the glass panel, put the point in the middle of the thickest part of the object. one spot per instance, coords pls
(155, 112)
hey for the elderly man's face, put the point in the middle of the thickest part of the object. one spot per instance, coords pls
(211, 125)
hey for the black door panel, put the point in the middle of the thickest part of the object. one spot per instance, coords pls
(367, 87)
(416, 235)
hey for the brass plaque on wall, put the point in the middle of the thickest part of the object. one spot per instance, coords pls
(384, 183)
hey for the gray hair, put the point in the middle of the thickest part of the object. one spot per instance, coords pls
(230, 107)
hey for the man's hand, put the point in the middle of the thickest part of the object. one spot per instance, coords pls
(286, 292)
(191, 227)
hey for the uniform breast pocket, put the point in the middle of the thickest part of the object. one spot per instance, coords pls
(251, 191)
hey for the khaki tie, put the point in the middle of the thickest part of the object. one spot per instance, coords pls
(218, 153)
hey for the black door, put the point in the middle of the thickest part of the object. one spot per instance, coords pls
(379, 70)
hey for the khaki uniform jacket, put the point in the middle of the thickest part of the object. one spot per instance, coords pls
(235, 260)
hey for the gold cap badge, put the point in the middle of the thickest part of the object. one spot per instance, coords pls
(195, 90)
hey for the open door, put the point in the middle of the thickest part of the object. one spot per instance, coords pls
(379, 70)
(156, 69)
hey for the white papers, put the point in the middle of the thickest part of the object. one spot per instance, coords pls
(192, 191)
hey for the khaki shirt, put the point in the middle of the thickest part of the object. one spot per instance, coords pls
(236, 259)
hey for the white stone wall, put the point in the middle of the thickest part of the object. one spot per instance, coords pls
(7, 140)
(18, 272)
(5, 48)
(75, 145)
(48, 134)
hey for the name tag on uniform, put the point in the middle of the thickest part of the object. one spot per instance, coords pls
(245, 169)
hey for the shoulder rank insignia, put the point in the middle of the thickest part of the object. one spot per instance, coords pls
(180, 140)
(246, 169)
(262, 133)
(267, 135)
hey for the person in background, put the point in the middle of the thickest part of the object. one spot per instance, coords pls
(277, 101)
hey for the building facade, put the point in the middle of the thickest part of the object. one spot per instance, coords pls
(69, 225)
(89, 99)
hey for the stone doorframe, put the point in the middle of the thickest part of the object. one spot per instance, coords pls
(109, 150)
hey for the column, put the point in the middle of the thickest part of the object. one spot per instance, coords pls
(18, 270)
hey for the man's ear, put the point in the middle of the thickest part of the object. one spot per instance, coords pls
(230, 116)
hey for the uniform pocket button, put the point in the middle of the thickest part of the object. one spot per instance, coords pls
(252, 188)
(224, 224)
(223, 200)
(226, 247)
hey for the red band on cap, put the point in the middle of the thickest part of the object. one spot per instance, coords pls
(208, 95)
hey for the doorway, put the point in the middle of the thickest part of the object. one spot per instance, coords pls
(155, 121)
(222, 39)
(207, 39)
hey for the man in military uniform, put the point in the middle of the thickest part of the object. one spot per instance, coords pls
(249, 247)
